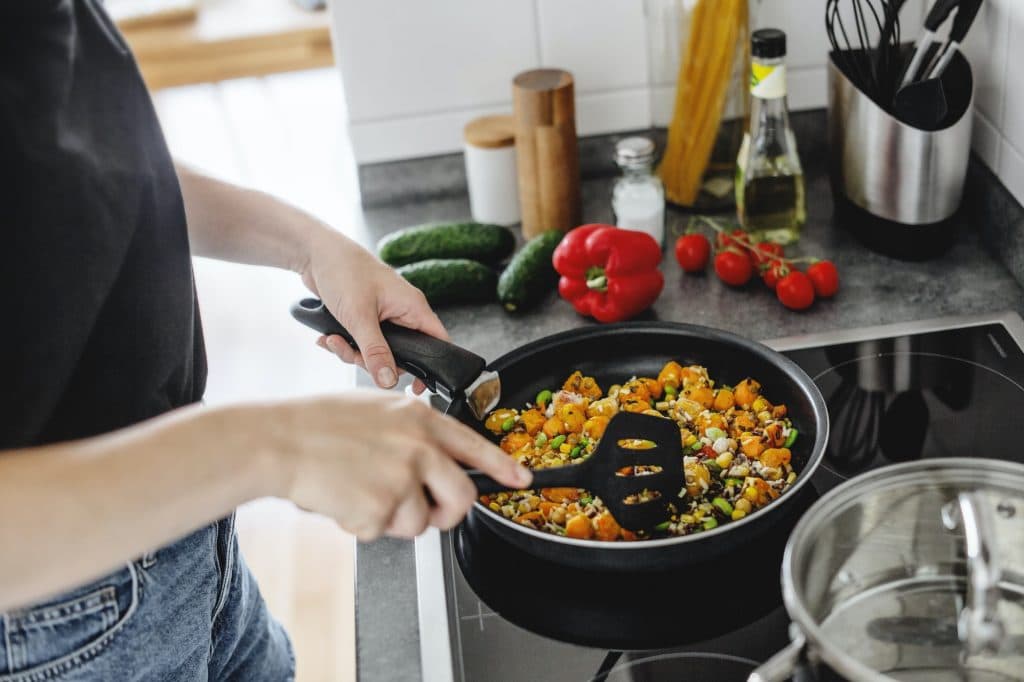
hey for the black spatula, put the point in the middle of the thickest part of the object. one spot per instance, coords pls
(599, 473)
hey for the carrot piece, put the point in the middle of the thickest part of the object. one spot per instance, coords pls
(530, 517)
(607, 527)
(579, 527)
(560, 494)
(547, 507)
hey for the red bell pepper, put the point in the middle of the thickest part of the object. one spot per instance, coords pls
(608, 273)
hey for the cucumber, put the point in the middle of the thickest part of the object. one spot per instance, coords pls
(530, 275)
(451, 280)
(478, 241)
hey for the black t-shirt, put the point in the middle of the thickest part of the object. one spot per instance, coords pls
(99, 325)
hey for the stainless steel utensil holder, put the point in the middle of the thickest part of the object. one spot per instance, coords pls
(897, 173)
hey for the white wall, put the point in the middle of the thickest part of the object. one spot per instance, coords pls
(996, 41)
(415, 71)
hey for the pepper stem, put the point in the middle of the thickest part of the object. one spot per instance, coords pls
(596, 279)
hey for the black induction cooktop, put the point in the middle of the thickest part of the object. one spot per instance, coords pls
(488, 612)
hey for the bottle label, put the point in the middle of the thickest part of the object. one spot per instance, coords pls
(768, 82)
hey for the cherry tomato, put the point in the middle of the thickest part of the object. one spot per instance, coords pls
(795, 291)
(763, 252)
(692, 252)
(825, 278)
(733, 268)
(772, 272)
(724, 241)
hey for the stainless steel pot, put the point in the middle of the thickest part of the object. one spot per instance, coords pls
(909, 572)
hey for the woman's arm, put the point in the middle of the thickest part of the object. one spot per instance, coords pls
(236, 224)
(74, 511)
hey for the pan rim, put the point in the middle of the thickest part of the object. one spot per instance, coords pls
(789, 367)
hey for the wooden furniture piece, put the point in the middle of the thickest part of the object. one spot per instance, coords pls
(231, 39)
(546, 154)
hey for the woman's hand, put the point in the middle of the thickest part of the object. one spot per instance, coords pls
(360, 291)
(367, 459)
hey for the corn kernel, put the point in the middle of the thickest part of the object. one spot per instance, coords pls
(760, 405)
(690, 440)
(739, 471)
(564, 448)
(688, 518)
(494, 507)
(724, 460)
(743, 504)
(791, 477)
(751, 494)
(738, 514)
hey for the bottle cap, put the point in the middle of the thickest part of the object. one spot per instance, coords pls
(768, 43)
(634, 152)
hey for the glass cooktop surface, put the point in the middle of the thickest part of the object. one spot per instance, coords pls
(945, 388)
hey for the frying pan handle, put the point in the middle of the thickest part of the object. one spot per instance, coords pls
(444, 367)
(553, 477)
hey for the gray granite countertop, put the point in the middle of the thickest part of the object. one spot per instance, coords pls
(874, 290)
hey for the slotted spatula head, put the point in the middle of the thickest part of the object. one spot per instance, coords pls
(661, 450)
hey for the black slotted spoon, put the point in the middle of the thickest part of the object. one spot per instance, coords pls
(598, 473)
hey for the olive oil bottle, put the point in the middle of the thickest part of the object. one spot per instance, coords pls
(769, 179)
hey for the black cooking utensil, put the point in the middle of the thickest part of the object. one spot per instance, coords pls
(852, 44)
(454, 372)
(600, 472)
(887, 54)
(936, 17)
(965, 15)
(922, 104)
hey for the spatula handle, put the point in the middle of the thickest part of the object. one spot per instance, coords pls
(553, 477)
(439, 364)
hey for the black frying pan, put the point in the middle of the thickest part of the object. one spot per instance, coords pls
(613, 353)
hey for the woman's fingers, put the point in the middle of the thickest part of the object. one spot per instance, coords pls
(451, 489)
(345, 352)
(374, 350)
(411, 518)
(469, 447)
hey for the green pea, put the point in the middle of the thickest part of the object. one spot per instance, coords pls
(557, 440)
(670, 390)
(714, 433)
(710, 522)
(543, 398)
(541, 439)
(791, 438)
(586, 500)
(575, 452)
(663, 525)
(508, 424)
(723, 505)
(733, 482)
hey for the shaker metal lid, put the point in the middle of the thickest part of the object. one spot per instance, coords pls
(631, 152)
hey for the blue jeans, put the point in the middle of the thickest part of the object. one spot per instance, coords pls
(191, 611)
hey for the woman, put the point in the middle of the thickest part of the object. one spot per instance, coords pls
(104, 456)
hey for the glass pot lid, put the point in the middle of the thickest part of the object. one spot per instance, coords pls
(914, 572)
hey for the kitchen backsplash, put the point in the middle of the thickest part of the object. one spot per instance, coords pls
(415, 72)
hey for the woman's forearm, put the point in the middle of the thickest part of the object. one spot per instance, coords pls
(232, 223)
(74, 511)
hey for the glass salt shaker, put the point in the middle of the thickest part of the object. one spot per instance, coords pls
(638, 197)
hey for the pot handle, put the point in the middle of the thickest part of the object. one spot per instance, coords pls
(979, 626)
(444, 367)
(784, 665)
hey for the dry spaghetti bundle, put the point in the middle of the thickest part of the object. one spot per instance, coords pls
(705, 71)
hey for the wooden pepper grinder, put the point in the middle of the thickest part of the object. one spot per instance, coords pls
(546, 155)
